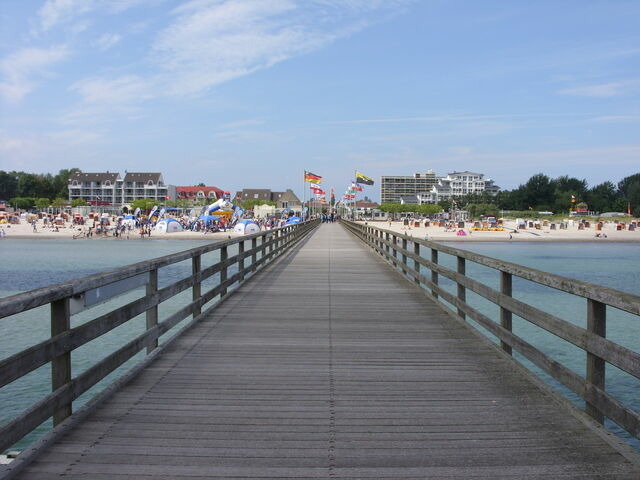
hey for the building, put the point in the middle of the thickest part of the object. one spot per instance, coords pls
(106, 188)
(392, 188)
(286, 199)
(458, 184)
(199, 194)
(103, 188)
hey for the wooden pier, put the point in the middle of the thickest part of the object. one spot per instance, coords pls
(329, 364)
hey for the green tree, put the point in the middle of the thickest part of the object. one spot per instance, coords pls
(143, 204)
(78, 202)
(8, 184)
(59, 202)
(629, 191)
(42, 203)
(249, 204)
(23, 203)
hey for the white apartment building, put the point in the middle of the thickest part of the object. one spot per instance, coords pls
(458, 184)
(106, 188)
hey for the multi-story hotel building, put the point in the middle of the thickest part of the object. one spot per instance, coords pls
(394, 187)
(427, 188)
(108, 188)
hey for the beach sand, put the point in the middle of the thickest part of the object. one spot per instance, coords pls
(545, 234)
(435, 233)
(25, 230)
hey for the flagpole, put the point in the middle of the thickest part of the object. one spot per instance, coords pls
(355, 195)
(304, 195)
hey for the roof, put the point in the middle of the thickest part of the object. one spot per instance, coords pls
(363, 204)
(197, 189)
(155, 177)
(94, 177)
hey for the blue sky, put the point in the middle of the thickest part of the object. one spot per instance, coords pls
(250, 93)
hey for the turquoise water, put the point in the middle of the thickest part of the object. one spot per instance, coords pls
(28, 264)
(615, 265)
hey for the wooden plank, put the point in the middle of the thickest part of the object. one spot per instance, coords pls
(363, 379)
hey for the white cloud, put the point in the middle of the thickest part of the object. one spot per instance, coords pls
(603, 90)
(108, 40)
(121, 90)
(21, 69)
(56, 12)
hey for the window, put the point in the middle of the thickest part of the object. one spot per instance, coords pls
(107, 183)
(255, 195)
(150, 183)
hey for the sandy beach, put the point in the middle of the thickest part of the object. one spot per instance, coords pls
(609, 233)
(25, 230)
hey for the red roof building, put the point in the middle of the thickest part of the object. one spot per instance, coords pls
(199, 193)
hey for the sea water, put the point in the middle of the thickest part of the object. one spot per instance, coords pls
(28, 264)
(614, 265)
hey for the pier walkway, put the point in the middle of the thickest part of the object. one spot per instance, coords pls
(329, 365)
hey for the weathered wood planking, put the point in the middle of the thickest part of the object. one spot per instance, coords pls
(329, 365)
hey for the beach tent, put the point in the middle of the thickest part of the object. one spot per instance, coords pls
(293, 221)
(246, 227)
(168, 225)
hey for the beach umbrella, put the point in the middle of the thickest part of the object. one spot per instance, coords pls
(208, 218)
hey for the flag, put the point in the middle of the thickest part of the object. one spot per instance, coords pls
(361, 178)
(312, 177)
(316, 190)
(355, 186)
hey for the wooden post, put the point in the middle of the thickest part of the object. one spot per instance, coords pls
(224, 255)
(152, 313)
(241, 262)
(404, 257)
(60, 365)
(254, 255)
(596, 323)
(506, 288)
(416, 264)
(196, 267)
(395, 247)
(434, 274)
(462, 294)
(388, 238)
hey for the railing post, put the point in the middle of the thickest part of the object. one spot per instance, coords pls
(506, 288)
(404, 256)
(462, 294)
(254, 255)
(241, 262)
(395, 247)
(60, 365)
(597, 324)
(196, 293)
(416, 263)
(388, 239)
(434, 274)
(152, 313)
(224, 255)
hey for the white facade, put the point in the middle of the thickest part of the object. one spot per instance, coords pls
(458, 184)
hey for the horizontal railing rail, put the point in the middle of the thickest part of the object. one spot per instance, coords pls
(395, 248)
(68, 298)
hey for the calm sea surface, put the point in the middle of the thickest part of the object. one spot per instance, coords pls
(27, 264)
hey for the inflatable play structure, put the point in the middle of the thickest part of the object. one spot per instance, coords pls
(168, 225)
(246, 227)
(223, 208)
(293, 220)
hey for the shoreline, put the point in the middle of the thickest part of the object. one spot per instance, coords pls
(513, 235)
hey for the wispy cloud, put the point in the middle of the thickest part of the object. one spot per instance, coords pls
(604, 90)
(57, 12)
(108, 40)
(22, 69)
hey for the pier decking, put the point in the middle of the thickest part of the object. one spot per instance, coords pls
(329, 365)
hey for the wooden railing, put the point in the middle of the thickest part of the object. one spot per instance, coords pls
(399, 249)
(68, 298)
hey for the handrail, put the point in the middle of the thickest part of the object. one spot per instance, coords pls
(66, 298)
(393, 247)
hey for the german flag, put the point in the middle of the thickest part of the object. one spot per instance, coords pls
(361, 178)
(312, 177)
